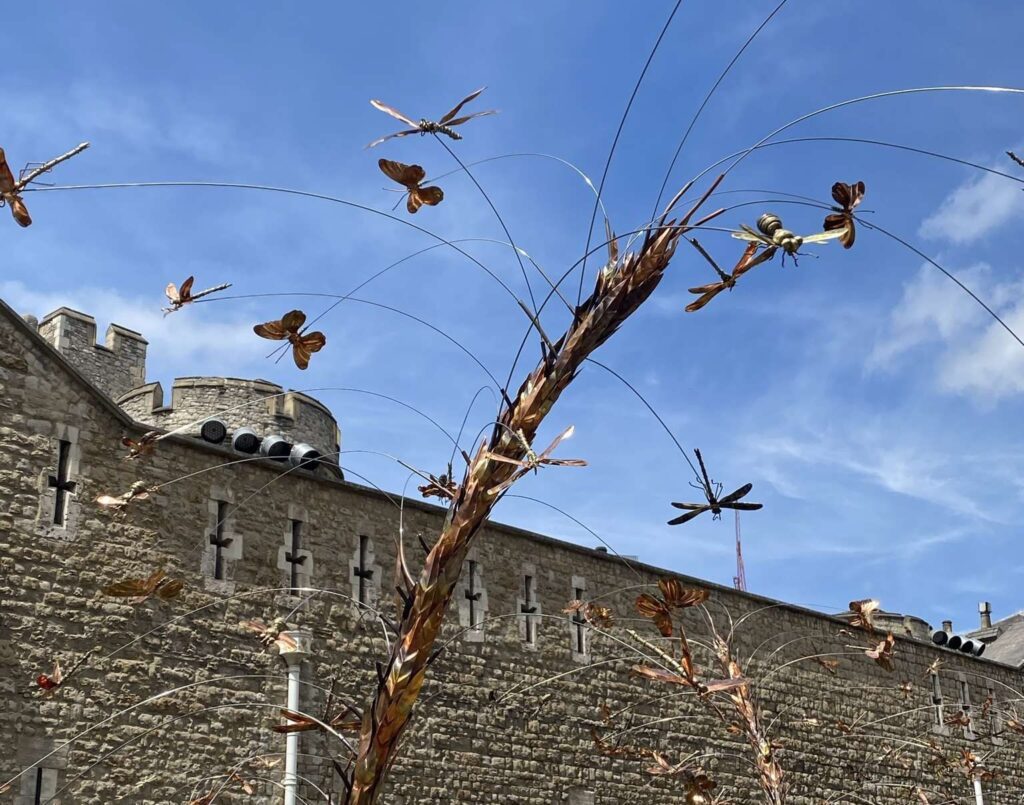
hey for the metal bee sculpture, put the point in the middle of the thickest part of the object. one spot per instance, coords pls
(770, 232)
(446, 125)
(714, 504)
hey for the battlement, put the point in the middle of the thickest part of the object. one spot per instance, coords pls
(265, 407)
(115, 366)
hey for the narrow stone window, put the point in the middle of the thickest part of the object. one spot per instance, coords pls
(529, 609)
(42, 786)
(965, 706)
(219, 540)
(995, 722)
(362, 572)
(63, 484)
(579, 632)
(937, 717)
(57, 517)
(294, 557)
(473, 603)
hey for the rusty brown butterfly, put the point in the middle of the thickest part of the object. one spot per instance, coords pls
(145, 445)
(883, 652)
(864, 613)
(271, 634)
(139, 590)
(9, 193)
(287, 329)
(179, 297)
(410, 176)
(847, 196)
(443, 126)
(596, 615)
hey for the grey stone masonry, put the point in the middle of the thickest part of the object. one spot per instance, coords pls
(114, 367)
(265, 407)
(176, 694)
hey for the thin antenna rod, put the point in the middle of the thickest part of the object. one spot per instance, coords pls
(739, 581)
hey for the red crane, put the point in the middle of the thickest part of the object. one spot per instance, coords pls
(739, 581)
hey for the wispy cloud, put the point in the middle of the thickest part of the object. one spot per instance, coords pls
(160, 120)
(975, 209)
(976, 356)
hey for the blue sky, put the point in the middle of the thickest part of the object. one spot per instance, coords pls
(873, 406)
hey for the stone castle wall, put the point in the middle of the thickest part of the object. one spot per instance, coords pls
(489, 729)
(258, 404)
(114, 367)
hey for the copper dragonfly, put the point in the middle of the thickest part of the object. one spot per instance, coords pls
(446, 125)
(749, 260)
(714, 504)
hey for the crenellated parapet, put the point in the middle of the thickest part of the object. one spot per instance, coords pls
(265, 407)
(115, 366)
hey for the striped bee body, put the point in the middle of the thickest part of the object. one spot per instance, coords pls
(430, 127)
(771, 227)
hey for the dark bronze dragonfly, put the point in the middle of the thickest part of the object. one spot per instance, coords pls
(714, 504)
(446, 125)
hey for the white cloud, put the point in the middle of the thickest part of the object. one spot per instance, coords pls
(157, 121)
(977, 357)
(975, 209)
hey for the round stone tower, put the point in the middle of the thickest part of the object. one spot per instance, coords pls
(259, 406)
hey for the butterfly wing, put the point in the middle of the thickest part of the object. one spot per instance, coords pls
(406, 175)
(171, 292)
(418, 196)
(170, 589)
(843, 194)
(293, 320)
(185, 291)
(274, 330)
(448, 119)
(127, 588)
(304, 347)
(20, 211)
(6, 177)
(390, 110)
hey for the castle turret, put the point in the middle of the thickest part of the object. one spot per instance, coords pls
(264, 407)
(114, 367)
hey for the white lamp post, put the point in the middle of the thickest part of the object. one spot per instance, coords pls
(293, 658)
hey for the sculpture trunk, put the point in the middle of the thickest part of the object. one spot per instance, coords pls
(622, 286)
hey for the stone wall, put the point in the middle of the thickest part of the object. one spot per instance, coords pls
(114, 367)
(258, 404)
(204, 693)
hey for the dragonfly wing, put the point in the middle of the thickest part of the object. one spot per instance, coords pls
(460, 120)
(739, 493)
(744, 507)
(390, 110)
(384, 139)
(746, 233)
(565, 434)
(447, 119)
(688, 516)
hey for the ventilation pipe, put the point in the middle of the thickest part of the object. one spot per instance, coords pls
(245, 440)
(213, 431)
(275, 447)
(305, 456)
(940, 637)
